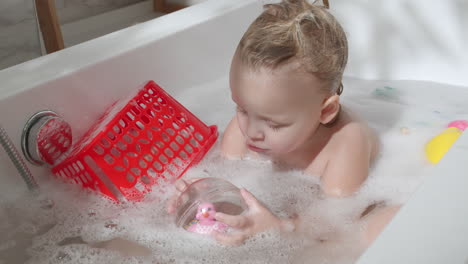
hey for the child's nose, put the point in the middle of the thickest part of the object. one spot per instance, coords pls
(254, 133)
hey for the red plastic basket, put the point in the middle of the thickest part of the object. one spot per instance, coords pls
(124, 154)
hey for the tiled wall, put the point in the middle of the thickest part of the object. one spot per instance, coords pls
(72, 10)
(19, 39)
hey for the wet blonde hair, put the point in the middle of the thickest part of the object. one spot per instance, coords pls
(294, 30)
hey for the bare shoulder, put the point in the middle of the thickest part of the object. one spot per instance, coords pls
(355, 135)
(353, 147)
(233, 141)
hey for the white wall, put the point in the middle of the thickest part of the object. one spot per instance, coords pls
(401, 39)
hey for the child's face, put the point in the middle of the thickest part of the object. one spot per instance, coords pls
(277, 110)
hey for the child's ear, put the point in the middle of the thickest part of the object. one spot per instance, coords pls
(330, 109)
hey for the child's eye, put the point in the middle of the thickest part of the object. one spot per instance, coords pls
(274, 127)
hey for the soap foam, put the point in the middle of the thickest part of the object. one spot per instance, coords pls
(83, 228)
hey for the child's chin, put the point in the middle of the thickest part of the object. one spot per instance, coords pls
(276, 153)
(282, 151)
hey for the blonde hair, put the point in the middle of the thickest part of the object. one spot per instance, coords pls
(294, 30)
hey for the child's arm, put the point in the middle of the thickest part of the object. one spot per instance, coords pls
(233, 142)
(348, 166)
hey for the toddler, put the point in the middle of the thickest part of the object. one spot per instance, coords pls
(286, 80)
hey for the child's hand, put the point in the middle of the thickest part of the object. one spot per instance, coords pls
(256, 219)
(180, 185)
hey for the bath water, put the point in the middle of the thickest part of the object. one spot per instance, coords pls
(66, 225)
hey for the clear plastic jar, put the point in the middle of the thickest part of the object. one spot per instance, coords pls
(222, 194)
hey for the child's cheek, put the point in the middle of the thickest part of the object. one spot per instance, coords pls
(291, 139)
(282, 143)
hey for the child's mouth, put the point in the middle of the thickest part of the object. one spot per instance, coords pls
(256, 149)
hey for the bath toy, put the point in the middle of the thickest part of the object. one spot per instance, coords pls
(386, 93)
(205, 222)
(460, 124)
(198, 204)
(137, 142)
(440, 144)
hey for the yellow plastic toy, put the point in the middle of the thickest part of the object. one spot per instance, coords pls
(440, 144)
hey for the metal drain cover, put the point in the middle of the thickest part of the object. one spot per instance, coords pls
(46, 138)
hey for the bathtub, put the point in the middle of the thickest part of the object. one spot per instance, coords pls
(394, 40)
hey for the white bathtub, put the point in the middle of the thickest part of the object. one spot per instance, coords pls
(388, 40)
